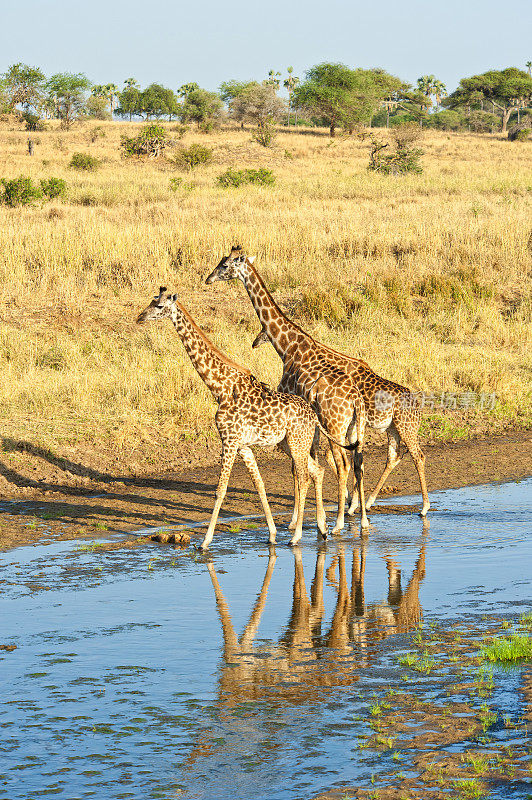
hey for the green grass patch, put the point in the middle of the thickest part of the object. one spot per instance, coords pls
(508, 648)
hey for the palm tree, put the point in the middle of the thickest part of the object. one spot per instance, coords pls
(99, 91)
(290, 83)
(439, 91)
(425, 84)
(529, 67)
(274, 79)
(131, 83)
(111, 92)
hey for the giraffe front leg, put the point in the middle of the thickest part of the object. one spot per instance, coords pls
(249, 460)
(228, 460)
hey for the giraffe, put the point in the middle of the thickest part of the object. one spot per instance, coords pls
(386, 406)
(249, 413)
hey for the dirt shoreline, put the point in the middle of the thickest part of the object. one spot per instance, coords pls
(90, 507)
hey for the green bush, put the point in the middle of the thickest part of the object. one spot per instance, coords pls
(53, 187)
(150, 142)
(33, 122)
(191, 157)
(22, 191)
(264, 135)
(19, 192)
(403, 159)
(238, 177)
(84, 161)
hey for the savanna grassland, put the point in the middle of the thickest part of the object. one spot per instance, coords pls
(426, 277)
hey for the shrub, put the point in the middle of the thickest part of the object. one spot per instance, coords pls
(238, 177)
(521, 132)
(150, 142)
(53, 187)
(403, 159)
(84, 161)
(19, 192)
(96, 133)
(264, 135)
(180, 130)
(191, 157)
(33, 122)
(22, 191)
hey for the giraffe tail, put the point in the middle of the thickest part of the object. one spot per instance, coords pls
(332, 439)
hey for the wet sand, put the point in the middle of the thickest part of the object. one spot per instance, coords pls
(75, 502)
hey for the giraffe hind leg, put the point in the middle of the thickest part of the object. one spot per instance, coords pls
(249, 460)
(392, 461)
(408, 432)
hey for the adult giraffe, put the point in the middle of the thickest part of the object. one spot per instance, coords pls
(249, 413)
(386, 406)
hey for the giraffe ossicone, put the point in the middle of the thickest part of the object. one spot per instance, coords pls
(248, 414)
(361, 393)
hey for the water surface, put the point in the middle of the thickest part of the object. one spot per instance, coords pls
(158, 673)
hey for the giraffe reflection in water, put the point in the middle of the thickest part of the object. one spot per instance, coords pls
(311, 656)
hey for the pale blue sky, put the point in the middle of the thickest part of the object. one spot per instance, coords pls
(209, 41)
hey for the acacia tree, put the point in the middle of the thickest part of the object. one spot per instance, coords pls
(344, 96)
(66, 91)
(200, 106)
(23, 85)
(158, 101)
(257, 103)
(507, 90)
(231, 89)
(130, 102)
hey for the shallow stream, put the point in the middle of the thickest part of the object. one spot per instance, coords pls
(155, 672)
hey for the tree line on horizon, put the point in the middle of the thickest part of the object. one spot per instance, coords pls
(331, 95)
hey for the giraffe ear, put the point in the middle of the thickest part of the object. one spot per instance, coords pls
(251, 259)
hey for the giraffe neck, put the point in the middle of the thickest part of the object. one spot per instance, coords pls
(217, 371)
(284, 335)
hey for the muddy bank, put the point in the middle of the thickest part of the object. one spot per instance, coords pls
(87, 505)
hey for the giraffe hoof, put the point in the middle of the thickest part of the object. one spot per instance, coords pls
(292, 526)
(369, 503)
(324, 533)
(293, 542)
(352, 510)
(364, 524)
(337, 529)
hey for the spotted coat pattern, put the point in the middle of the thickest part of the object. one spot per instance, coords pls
(249, 413)
(380, 403)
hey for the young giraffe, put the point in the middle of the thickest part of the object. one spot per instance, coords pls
(249, 413)
(387, 406)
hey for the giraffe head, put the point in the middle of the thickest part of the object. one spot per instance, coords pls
(262, 338)
(231, 266)
(160, 306)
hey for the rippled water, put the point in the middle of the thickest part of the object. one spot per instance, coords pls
(154, 673)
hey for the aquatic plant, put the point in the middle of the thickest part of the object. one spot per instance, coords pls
(508, 648)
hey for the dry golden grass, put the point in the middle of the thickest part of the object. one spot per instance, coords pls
(427, 277)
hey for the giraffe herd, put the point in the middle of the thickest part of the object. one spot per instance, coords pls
(321, 390)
